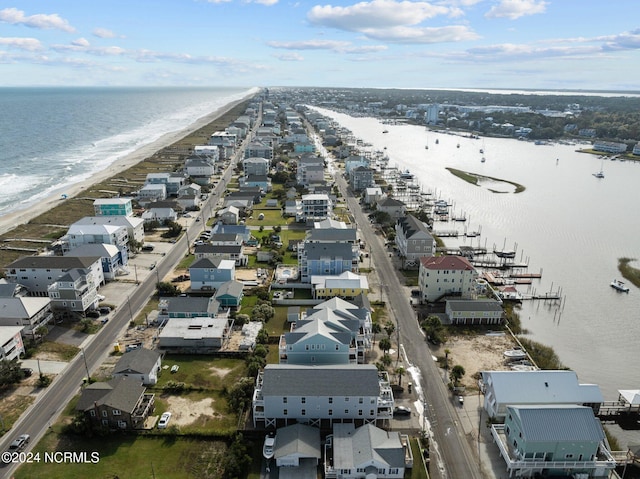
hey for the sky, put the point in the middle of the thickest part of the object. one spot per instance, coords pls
(534, 44)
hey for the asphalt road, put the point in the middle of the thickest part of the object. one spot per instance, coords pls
(454, 454)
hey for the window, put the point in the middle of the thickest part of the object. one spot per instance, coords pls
(568, 456)
(330, 400)
(92, 413)
(346, 399)
(303, 400)
(360, 400)
(105, 422)
(284, 400)
(330, 412)
(104, 413)
(359, 412)
(116, 412)
(122, 424)
(284, 412)
(346, 411)
(303, 412)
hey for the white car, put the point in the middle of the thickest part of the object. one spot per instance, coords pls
(164, 420)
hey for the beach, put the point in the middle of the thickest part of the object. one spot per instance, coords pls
(10, 220)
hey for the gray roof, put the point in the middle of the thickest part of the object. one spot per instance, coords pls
(120, 393)
(205, 262)
(299, 440)
(411, 225)
(333, 234)
(193, 304)
(218, 248)
(542, 423)
(339, 380)
(54, 262)
(315, 251)
(138, 361)
(479, 305)
(356, 447)
(231, 288)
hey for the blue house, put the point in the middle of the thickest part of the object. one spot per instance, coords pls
(208, 274)
(242, 230)
(229, 294)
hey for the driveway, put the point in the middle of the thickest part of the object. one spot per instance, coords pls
(45, 366)
(69, 336)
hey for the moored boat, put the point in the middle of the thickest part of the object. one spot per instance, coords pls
(514, 354)
(619, 286)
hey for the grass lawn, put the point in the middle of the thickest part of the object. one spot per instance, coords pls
(12, 405)
(202, 371)
(129, 457)
(272, 217)
(64, 352)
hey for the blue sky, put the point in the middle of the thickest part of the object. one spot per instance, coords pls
(542, 44)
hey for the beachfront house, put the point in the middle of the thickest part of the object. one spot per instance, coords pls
(152, 192)
(372, 195)
(113, 207)
(140, 364)
(521, 388)
(553, 441)
(226, 143)
(354, 453)
(36, 273)
(133, 224)
(354, 393)
(81, 233)
(119, 404)
(441, 276)
(207, 274)
(200, 169)
(26, 312)
(11, 345)
(172, 181)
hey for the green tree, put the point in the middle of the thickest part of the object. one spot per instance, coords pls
(385, 345)
(240, 395)
(237, 460)
(389, 328)
(457, 372)
(167, 289)
(400, 371)
(375, 329)
(262, 312)
(434, 329)
(10, 372)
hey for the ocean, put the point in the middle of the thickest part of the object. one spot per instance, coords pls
(53, 137)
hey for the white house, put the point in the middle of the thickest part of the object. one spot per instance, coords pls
(133, 224)
(319, 395)
(140, 364)
(446, 275)
(11, 346)
(505, 388)
(315, 207)
(92, 233)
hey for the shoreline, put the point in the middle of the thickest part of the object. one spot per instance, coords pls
(11, 220)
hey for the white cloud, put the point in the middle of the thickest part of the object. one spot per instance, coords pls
(423, 35)
(290, 57)
(331, 45)
(105, 33)
(267, 3)
(81, 42)
(29, 44)
(41, 20)
(513, 9)
(374, 14)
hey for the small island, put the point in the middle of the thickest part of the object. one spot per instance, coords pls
(476, 179)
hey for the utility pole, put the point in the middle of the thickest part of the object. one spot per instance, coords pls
(86, 366)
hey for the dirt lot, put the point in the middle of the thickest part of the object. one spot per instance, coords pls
(185, 411)
(476, 353)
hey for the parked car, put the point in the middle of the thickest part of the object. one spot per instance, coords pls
(164, 420)
(94, 313)
(401, 411)
(105, 309)
(19, 442)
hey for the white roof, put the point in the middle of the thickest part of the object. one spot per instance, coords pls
(194, 328)
(540, 387)
(116, 220)
(8, 332)
(632, 396)
(111, 201)
(93, 229)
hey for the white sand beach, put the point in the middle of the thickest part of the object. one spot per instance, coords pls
(16, 218)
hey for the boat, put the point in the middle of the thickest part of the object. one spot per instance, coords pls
(599, 174)
(619, 286)
(515, 354)
(458, 145)
(406, 175)
(268, 448)
(483, 160)
(437, 141)
(385, 131)
(505, 253)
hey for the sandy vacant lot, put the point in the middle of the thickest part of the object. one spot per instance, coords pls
(185, 411)
(476, 353)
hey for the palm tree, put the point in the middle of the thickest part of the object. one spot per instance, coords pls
(446, 358)
(389, 328)
(400, 372)
(456, 374)
(375, 329)
(384, 344)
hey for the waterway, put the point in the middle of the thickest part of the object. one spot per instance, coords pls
(567, 223)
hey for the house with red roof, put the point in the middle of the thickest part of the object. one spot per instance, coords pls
(446, 276)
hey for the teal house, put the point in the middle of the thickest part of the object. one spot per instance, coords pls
(553, 440)
(229, 294)
(113, 207)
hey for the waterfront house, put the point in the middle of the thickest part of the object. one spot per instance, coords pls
(152, 192)
(372, 194)
(133, 224)
(226, 143)
(232, 252)
(521, 388)
(361, 178)
(355, 453)
(474, 312)
(200, 169)
(140, 364)
(553, 440)
(355, 393)
(89, 232)
(36, 273)
(195, 335)
(160, 213)
(441, 276)
(207, 274)
(113, 207)
(11, 345)
(413, 240)
(229, 294)
(119, 404)
(298, 451)
(171, 181)
(393, 207)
